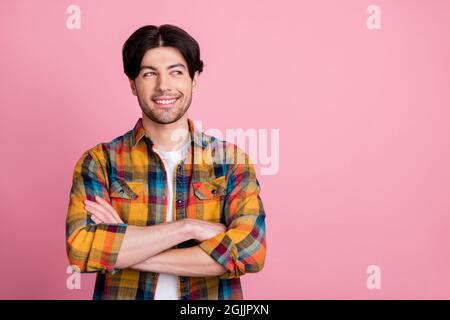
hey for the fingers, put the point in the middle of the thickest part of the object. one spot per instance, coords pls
(95, 219)
(222, 228)
(204, 230)
(100, 212)
(215, 226)
(94, 211)
(110, 208)
(208, 225)
(97, 213)
(203, 222)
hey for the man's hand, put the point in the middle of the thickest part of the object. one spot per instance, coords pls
(101, 211)
(203, 230)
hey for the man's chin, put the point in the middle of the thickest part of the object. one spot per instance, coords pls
(168, 119)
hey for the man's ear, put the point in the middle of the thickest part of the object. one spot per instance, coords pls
(133, 86)
(195, 81)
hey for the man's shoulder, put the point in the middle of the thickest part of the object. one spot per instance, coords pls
(102, 150)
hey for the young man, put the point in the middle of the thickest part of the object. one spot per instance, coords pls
(165, 211)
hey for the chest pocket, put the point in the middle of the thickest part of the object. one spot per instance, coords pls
(125, 189)
(209, 197)
(127, 197)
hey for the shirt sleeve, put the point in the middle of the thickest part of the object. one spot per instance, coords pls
(242, 248)
(90, 247)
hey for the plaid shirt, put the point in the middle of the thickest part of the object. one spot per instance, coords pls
(217, 183)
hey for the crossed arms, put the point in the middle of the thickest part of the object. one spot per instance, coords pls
(108, 244)
(142, 247)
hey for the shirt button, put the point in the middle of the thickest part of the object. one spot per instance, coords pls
(183, 280)
(179, 167)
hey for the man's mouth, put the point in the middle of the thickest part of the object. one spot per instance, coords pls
(166, 102)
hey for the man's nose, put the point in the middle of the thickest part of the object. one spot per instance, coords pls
(163, 83)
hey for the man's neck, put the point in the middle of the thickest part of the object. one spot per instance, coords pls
(167, 137)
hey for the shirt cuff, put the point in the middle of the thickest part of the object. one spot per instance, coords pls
(222, 249)
(105, 247)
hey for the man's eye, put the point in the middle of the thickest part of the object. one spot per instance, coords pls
(179, 72)
(145, 74)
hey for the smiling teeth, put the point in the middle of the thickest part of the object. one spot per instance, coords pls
(166, 101)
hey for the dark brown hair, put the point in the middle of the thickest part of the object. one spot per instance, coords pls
(166, 35)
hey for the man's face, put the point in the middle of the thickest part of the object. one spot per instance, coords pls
(163, 86)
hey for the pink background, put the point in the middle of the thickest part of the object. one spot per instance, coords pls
(364, 134)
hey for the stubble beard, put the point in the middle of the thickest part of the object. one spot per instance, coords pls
(162, 115)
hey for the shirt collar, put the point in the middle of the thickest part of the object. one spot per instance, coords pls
(196, 135)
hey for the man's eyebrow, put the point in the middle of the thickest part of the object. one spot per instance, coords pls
(169, 67)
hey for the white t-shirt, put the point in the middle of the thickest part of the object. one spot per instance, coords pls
(167, 286)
